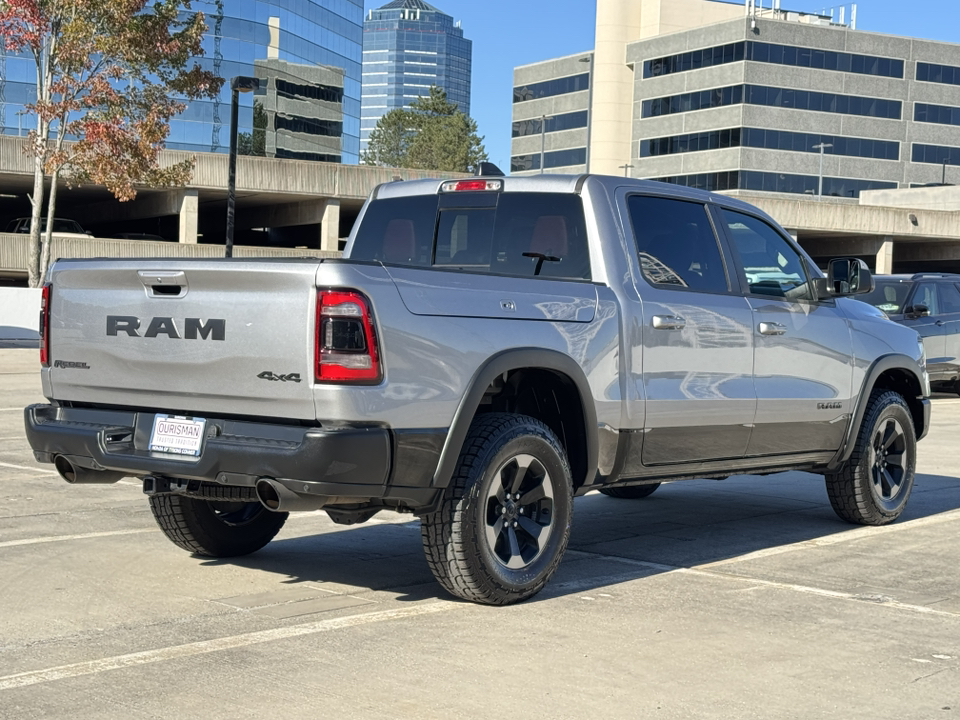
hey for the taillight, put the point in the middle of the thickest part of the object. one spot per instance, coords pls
(346, 341)
(45, 325)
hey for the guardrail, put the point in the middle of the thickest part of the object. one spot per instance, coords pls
(15, 250)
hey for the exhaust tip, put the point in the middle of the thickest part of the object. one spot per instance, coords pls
(267, 495)
(66, 469)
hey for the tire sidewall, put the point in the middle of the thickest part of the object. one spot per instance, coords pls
(530, 439)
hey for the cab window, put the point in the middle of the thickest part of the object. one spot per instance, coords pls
(770, 264)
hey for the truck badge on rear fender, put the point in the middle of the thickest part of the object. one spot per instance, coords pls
(829, 406)
(267, 375)
(70, 364)
(193, 328)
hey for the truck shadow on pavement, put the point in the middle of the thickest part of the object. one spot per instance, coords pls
(681, 525)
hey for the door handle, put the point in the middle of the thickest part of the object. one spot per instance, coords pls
(668, 322)
(772, 328)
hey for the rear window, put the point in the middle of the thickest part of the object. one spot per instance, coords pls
(522, 234)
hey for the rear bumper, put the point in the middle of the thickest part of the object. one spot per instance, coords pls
(350, 462)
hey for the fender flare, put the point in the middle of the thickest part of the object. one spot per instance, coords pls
(879, 366)
(535, 358)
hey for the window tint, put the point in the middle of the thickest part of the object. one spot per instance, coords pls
(949, 298)
(926, 294)
(770, 264)
(548, 227)
(676, 244)
(887, 296)
(549, 88)
(398, 231)
(464, 237)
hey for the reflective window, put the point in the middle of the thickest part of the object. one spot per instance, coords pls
(552, 159)
(777, 54)
(940, 114)
(776, 182)
(770, 139)
(946, 74)
(771, 266)
(887, 296)
(926, 294)
(555, 123)
(937, 154)
(549, 88)
(676, 244)
(773, 97)
(949, 298)
(524, 234)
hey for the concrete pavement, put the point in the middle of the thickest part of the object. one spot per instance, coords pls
(745, 598)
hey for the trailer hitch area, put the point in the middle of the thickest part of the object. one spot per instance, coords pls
(155, 485)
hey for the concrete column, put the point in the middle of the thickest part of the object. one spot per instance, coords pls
(795, 234)
(611, 114)
(330, 226)
(189, 215)
(885, 257)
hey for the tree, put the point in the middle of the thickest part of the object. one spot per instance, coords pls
(432, 134)
(110, 75)
(255, 143)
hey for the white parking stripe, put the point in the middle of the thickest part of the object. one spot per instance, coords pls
(177, 652)
(27, 467)
(61, 538)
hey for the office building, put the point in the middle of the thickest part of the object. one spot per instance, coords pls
(730, 97)
(248, 38)
(409, 45)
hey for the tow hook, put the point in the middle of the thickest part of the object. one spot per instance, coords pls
(153, 485)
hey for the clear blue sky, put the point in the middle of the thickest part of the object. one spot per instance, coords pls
(507, 33)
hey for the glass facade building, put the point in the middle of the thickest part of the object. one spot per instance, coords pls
(409, 45)
(307, 55)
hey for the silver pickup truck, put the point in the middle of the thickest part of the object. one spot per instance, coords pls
(487, 349)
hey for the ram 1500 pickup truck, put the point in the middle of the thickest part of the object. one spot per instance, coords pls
(486, 350)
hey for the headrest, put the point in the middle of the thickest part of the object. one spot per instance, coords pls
(550, 236)
(399, 241)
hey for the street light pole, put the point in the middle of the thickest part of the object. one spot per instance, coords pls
(543, 133)
(237, 85)
(589, 59)
(626, 169)
(821, 147)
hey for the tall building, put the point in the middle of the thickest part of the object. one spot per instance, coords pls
(282, 42)
(737, 98)
(409, 45)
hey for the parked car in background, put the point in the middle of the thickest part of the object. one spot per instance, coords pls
(61, 226)
(930, 304)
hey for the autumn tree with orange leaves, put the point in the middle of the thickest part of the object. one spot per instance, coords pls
(110, 76)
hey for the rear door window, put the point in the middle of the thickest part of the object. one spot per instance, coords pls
(519, 234)
(676, 244)
(949, 299)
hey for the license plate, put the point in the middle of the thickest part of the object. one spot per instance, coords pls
(177, 435)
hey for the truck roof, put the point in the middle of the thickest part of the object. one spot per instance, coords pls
(568, 184)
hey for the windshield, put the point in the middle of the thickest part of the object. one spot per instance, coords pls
(888, 296)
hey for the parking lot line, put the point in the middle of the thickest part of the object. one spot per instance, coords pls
(177, 652)
(84, 536)
(27, 467)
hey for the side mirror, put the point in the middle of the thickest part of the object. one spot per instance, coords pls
(917, 311)
(849, 276)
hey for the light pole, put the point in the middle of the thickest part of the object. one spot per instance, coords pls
(821, 147)
(626, 168)
(237, 85)
(543, 133)
(589, 59)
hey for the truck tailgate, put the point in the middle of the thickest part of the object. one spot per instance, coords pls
(226, 336)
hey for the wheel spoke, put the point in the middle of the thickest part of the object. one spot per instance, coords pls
(515, 560)
(535, 494)
(896, 459)
(493, 531)
(889, 484)
(532, 529)
(523, 463)
(891, 434)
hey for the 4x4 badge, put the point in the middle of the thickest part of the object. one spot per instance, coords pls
(267, 375)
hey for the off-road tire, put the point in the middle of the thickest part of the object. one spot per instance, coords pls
(859, 491)
(215, 528)
(467, 553)
(631, 492)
